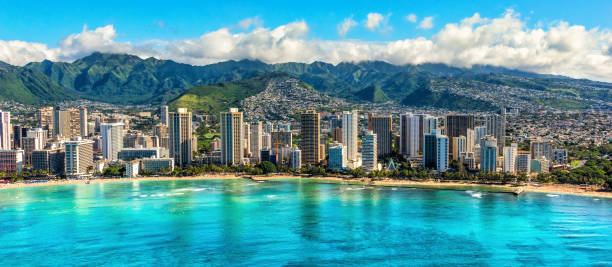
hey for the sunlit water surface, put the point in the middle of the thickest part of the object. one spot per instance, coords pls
(230, 222)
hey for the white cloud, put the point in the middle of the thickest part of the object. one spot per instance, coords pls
(426, 23)
(245, 24)
(411, 18)
(373, 21)
(346, 25)
(561, 48)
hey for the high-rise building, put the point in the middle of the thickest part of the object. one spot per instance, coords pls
(459, 146)
(541, 149)
(49, 160)
(350, 127)
(523, 162)
(266, 141)
(496, 127)
(232, 150)
(163, 115)
(246, 134)
(161, 131)
(457, 125)
(369, 152)
(11, 161)
(256, 143)
(382, 127)
(510, 155)
(435, 151)
(5, 130)
(112, 140)
(78, 158)
(35, 139)
(480, 132)
(469, 140)
(337, 135)
(310, 132)
(44, 117)
(19, 131)
(281, 139)
(422, 121)
(337, 156)
(409, 135)
(83, 121)
(335, 122)
(488, 154)
(296, 158)
(430, 123)
(180, 137)
(66, 122)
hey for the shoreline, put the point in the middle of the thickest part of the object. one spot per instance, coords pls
(430, 184)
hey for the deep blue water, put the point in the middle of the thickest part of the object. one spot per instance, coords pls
(241, 222)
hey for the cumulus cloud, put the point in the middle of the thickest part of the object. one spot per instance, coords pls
(426, 23)
(411, 18)
(245, 24)
(560, 48)
(373, 21)
(346, 25)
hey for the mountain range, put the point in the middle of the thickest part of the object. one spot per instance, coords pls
(128, 79)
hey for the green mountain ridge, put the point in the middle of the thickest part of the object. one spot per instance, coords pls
(128, 79)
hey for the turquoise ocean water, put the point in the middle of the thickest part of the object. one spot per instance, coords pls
(241, 222)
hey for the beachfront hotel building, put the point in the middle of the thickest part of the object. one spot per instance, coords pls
(409, 135)
(256, 131)
(180, 137)
(510, 153)
(459, 146)
(382, 127)
(337, 157)
(369, 152)
(232, 144)
(11, 161)
(129, 154)
(435, 151)
(78, 160)
(49, 160)
(296, 158)
(155, 165)
(523, 162)
(5, 130)
(311, 137)
(350, 121)
(488, 154)
(112, 140)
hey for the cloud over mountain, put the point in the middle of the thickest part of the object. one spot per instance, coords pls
(562, 48)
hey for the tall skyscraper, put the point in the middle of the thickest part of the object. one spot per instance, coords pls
(510, 155)
(382, 126)
(480, 132)
(422, 132)
(256, 139)
(470, 137)
(430, 123)
(180, 137)
(435, 151)
(457, 125)
(19, 132)
(496, 127)
(78, 158)
(66, 122)
(112, 140)
(459, 146)
(232, 150)
(83, 121)
(311, 137)
(246, 135)
(163, 115)
(44, 117)
(5, 130)
(349, 133)
(409, 135)
(369, 152)
(488, 154)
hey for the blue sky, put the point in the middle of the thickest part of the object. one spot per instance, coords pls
(47, 23)
(556, 37)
